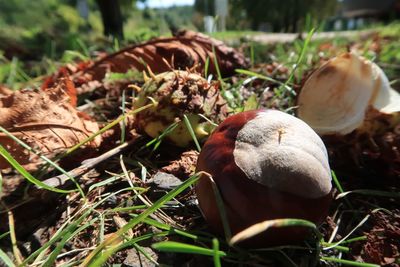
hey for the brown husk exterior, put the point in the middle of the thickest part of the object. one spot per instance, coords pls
(179, 93)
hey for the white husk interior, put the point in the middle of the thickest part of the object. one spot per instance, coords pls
(387, 100)
(336, 97)
(282, 152)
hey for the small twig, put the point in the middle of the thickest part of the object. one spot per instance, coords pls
(87, 165)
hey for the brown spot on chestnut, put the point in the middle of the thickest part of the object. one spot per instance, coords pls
(247, 201)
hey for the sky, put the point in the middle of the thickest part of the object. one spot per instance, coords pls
(165, 3)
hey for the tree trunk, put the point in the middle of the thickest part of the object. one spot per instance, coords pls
(112, 18)
(295, 18)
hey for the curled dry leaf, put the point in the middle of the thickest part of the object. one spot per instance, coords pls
(67, 71)
(186, 49)
(184, 166)
(46, 121)
(338, 97)
(5, 91)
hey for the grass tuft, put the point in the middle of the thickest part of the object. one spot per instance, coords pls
(95, 259)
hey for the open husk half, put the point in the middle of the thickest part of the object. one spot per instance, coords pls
(337, 97)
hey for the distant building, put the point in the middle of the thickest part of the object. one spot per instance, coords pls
(370, 8)
(354, 14)
(221, 11)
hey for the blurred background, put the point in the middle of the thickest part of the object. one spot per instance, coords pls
(31, 29)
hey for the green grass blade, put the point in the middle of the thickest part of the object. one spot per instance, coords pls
(206, 67)
(84, 48)
(191, 132)
(4, 235)
(5, 259)
(53, 256)
(94, 259)
(349, 263)
(135, 240)
(69, 226)
(216, 64)
(66, 237)
(123, 124)
(116, 46)
(221, 208)
(339, 248)
(52, 163)
(355, 239)
(251, 103)
(299, 59)
(176, 247)
(216, 253)
(1, 185)
(337, 183)
(262, 77)
(107, 127)
(349, 234)
(263, 226)
(339, 187)
(213, 124)
(143, 172)
(4, 153)
(104, 182)
(167, 227)
(159, 138)
(252, 59)
(144, 253)
(71, 55)
(13, 71)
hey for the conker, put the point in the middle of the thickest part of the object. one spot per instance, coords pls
(267, 165)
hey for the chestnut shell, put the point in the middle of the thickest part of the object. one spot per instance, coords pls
(246, 201)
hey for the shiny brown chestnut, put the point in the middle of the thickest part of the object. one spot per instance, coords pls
(267, 165)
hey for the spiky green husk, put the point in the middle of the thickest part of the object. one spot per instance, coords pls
(179, 93)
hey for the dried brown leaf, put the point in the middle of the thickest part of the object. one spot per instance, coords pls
(184, 166)
(4, 91)
(185, 50)
(383, 240)
(45, 120)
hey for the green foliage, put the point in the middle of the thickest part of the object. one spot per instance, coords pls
(31, 29)
(149, 23)
(45, 16)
